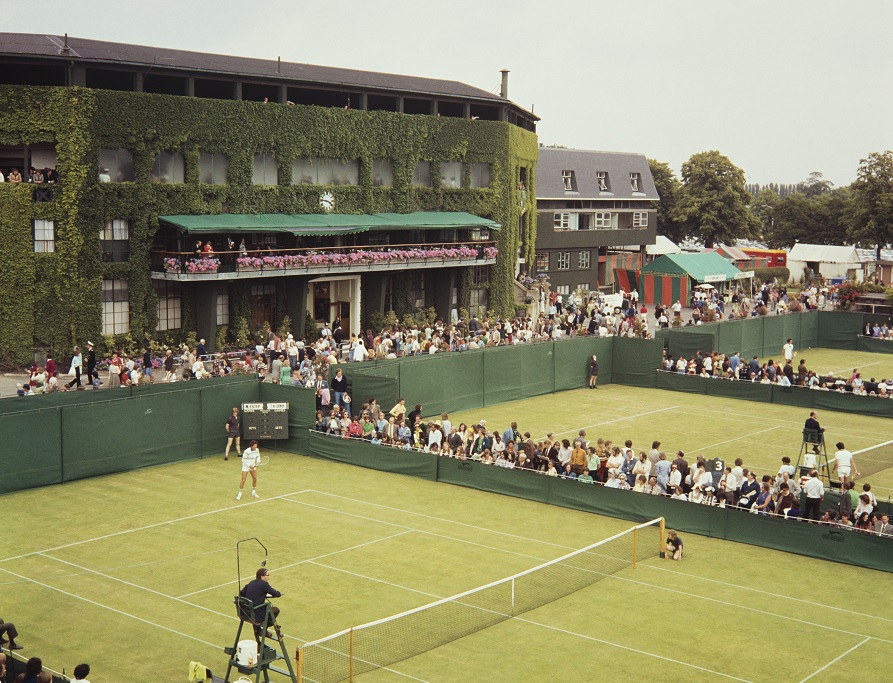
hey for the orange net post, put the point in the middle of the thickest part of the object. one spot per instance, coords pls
(299, 664)
(660, 539)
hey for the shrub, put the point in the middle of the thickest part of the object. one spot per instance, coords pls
(769, 274)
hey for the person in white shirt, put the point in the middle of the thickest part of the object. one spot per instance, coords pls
(250, 461)
(844, 463)
(815, 492)
(788, 350)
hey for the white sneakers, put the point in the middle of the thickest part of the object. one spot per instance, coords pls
(239, 496)
(254, 494)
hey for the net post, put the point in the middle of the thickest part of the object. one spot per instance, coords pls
(634, 547)
(350, 660)
(299, 664)
(660, 539)
(513, 596)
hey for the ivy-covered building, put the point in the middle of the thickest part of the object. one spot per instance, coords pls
(207, 193)
(596, 213)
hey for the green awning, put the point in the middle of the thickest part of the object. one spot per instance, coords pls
(703, 267)
(302, 224)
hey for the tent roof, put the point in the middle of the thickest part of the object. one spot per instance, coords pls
(326, 224)
(703, 267)
(823, 253)
(735, 253)
(663, 245)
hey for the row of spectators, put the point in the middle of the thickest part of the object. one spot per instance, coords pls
(649, 472)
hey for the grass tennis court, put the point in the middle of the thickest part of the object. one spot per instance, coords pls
(135, 572)
(823, 361)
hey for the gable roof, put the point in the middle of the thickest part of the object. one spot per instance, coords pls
(823, 253)
(663, 245)
(104, 53)
(707, 266)
(586, 164)
(733, 253)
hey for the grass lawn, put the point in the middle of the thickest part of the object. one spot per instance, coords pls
(135, 572)
(823, 361)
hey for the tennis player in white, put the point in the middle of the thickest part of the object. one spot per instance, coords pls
(844, 464)
(250, 461)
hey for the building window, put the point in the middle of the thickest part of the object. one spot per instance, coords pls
(640, 219)
(480, 275)
(265, 171)
(603, 183)
(569, 180)
(564, 290)
(562, 221)
(583, 288)
(480, 175)
(421, 176)
(169, 167)
(223, 309)
(387, 297)
(478, 301)
(451, 174)
(602, 220)
(563, 260)
(169, 307)
(542, 261)
(418, 289)
(635, 181)
(583, 259)
(44, 236)
(325, 172)
(382, 173)
(116, 166)
(213, 168)
(115, 307)
(115, 240)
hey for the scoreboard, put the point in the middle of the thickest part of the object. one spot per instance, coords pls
(265, 420)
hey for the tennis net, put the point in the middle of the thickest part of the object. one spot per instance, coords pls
(381, 643)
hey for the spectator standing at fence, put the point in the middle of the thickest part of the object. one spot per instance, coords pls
(844, 464)
(233, 434)
(815, 493)
(593, 371)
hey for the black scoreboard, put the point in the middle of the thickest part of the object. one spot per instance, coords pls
(265, 421)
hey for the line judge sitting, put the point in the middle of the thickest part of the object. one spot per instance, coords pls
(258, 590)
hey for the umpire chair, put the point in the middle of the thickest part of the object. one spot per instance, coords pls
(813, 456)
(266, 654)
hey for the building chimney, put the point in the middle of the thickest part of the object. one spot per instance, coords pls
(504, 86)
(65, 47)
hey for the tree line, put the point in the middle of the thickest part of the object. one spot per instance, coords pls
(712, 203)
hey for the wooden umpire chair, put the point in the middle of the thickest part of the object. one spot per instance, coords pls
(266, 654)
(813, 456)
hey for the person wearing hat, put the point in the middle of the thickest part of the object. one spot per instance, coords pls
(104, 176)
(92, 374)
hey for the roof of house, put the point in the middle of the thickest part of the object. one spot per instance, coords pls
(103, 53)
(586, 165)
(708, 266)
(823, 253)
(734, 253)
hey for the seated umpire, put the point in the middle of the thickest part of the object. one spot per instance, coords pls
(257, 591)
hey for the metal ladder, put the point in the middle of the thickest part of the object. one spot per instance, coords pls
(266, 655)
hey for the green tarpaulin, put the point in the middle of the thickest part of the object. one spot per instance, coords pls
(704, 267)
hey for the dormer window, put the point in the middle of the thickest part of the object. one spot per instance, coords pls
(602, 179)
(569, 180)
(635, 181)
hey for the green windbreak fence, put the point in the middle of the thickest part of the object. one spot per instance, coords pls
(811, 540)
(770, 393)
(873, 345)
(301, 413)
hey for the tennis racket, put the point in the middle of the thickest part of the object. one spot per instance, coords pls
(264, 460)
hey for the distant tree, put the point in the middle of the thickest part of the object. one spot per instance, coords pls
(762, 207)
(815, 185)
(668, 187)
(820, 219)
(872, 207)
(713, 204)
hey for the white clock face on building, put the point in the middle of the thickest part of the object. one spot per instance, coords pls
(327, 201)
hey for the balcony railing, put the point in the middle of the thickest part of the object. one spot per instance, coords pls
(324, 259)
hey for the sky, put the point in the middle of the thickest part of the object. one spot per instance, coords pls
(782, 88)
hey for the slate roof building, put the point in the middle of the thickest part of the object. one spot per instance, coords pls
(596, 213)
(335, 192)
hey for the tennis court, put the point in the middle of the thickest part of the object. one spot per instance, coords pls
(135, 573)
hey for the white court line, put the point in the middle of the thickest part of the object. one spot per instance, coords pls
(619, 419)
(739, 438)
(421, 531)
(152, 526)
(216, 646)
(867, 365)
(439, 519)
(138, 586)
(871, 448)
(552, 628)
(835, 660)
(295, 564)
(783, 421)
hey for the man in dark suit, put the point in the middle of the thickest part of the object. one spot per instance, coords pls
(258, 591)
(92, 375)
(9, 631)
(812, 423)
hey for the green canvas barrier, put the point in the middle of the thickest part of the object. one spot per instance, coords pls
(751, 337)
(503, 377)
(873, 345)
(32, 447)
(747, 391)
(509, 482)
(216, 402)
(775, 334)
(847, 403)
(572, 358)
(730, 337)
(634, 361)
(731, 524)
(443, 382)
(364, 384)
(809, 329)
(675, 382)
(301, 414)
(684, 343)
(839, 330)
(351, 452)
(159, 429)
(793, 396)
(537, 369)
